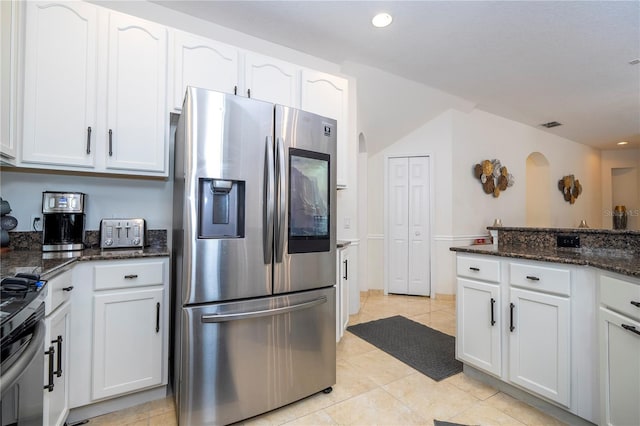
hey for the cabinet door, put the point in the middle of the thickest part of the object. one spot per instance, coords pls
(327, 95)
(478, 340)
(60, 83)
(56, 401)
(270, 80)
(539, 343)
(204, 63)
(136, 95)
(620, 369)
(344, 288)
(127, 341)
(8, 84)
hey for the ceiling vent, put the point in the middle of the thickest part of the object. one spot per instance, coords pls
(551, 124)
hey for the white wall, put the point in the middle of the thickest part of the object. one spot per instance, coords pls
(462, 211)
(480, 135)
(433, 139)
(619, 159)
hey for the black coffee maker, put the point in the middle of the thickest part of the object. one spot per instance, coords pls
(63, 219)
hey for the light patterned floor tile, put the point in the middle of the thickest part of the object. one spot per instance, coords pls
(476, 388)
(376, 407)
(380, 367)
(430, 399)
(484, 414)
(318, 418)
(521, 411)
(351, 345)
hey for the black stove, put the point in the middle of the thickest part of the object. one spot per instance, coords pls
(21, 298)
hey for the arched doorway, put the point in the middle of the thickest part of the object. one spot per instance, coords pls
(538, 191)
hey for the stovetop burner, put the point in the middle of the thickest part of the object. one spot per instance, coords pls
(20, 296)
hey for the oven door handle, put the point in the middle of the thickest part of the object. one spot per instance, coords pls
(33, 350)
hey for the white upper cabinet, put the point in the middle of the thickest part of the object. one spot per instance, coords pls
(7, 80)
(204, 63)
(271, 80)
(136, 95)
(327, 95)
(60, 83)
(95, 90)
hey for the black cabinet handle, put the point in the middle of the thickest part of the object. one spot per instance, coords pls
(630, 328)
(235, 90)
(157, 317)
(346, 269)
(511, 307)
(493, 320)
(67, 288)
(131, 276)
(89, 140)
(50, 353)
(532, 278)
(248, 93)
(110, 143)
(58, 371)
(473, 268)
(636, 304)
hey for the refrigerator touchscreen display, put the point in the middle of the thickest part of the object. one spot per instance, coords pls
(308, 201)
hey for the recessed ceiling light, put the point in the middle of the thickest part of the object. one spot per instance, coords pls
(381, 20)
(623, 143)
(634, 62)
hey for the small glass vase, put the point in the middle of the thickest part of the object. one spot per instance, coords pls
(620, 217)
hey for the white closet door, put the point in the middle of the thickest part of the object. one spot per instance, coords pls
(408, 242)
(419, 253)
(398, 260)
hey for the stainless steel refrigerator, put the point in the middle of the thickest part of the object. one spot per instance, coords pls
(254, 264)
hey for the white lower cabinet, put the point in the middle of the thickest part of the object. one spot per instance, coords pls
(619, 318)
(120, 326)
(342, 292)
(539, 356)
(478, 333)
(530, 324)
(56, 366)
(127, 341)
(57, 345)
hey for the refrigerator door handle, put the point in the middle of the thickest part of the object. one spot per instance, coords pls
(281, 207)
(214, 318)
(267, 219)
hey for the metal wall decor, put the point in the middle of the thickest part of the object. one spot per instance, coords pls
(493, 176)
(570, 188)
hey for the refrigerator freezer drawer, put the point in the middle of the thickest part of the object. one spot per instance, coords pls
(241, 359)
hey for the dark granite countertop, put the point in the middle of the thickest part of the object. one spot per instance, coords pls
(35, 261)
(620, 261)
(342, 243)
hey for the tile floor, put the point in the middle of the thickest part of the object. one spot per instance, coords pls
(375, 388)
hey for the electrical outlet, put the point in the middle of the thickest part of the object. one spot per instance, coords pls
(347, 223)
(572, 241)
(35, 224)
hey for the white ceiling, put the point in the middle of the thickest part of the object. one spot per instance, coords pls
(530, 61)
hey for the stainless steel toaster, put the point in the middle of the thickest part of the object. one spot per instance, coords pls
(120, 233)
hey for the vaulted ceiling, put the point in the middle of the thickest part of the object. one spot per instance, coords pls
(530, 61)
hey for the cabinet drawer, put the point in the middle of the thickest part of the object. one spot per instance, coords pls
(478, 268)
(542, 278)
(620, 295)
(128, 274)
(58, 291)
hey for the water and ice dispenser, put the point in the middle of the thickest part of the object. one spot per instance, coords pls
(221, 210)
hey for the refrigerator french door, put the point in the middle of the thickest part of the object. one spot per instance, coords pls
(254, 257)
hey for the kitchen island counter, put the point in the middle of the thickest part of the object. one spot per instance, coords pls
(615, 260)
